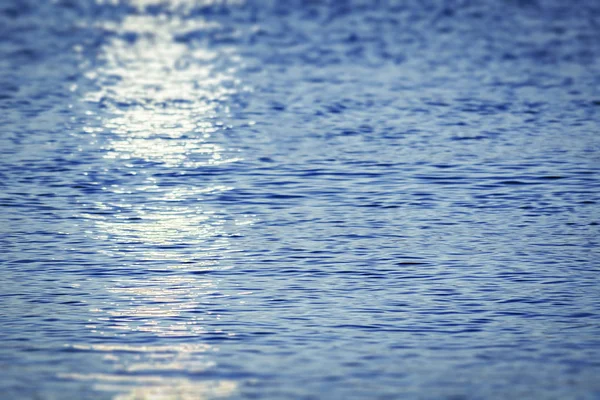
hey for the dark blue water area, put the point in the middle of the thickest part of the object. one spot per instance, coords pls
(299, 199)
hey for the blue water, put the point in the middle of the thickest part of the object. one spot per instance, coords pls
(299, 199)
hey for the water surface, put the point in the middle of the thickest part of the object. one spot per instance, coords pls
(299, 200)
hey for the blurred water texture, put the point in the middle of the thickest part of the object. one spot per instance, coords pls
(299, 199)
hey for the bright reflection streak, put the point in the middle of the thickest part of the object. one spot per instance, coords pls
(161, 90)
(162, 101)
(177, 4)
(155, 389)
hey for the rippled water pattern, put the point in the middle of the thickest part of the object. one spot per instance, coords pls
(299, 199)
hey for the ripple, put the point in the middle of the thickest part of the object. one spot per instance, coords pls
(298, 200)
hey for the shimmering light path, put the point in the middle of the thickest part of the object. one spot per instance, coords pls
(154, 107)
(299, 200)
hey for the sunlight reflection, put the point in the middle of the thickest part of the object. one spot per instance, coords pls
(179, 4)
(163, 108)
(157, 387)
(158, 102)
(140, 369)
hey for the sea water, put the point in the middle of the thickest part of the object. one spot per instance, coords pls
(299, 199)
